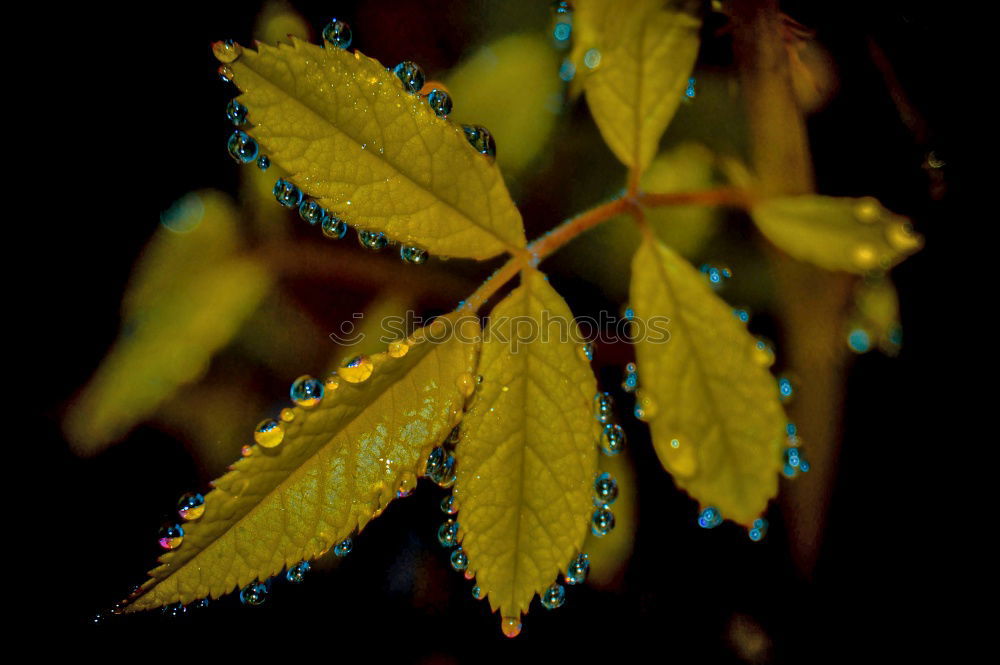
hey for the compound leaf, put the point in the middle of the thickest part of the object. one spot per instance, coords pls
(713, 409)
(850, 234)
(189, 294)
(528, 450)
(338, 465)
(368, 151)
(646, 57)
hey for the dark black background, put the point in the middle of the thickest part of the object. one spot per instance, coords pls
(139, 124)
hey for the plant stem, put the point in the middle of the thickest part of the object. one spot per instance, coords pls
(726, 196)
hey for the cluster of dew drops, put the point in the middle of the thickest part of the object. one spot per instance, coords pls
(244, 148)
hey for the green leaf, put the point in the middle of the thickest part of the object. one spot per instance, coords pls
(646, 57)
(713, 408)
(528, 452)
(373, 154)
(338, 465)
(189, 294)
(848, 234)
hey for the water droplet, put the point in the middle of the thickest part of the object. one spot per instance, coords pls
(576, 571)
(562, 31)
(227, 51)
(554, 597)
(459, 559)
(174, 610)
(191, 506)
(287, 194)
(867, 210)
(742, 315)
(477, 593)
(407, 483)
(373, 240)
(226, 74)
(567, 70)
(171, 536)
(689, 92)
(263, 162)
(448, 506)
(444, 474)
(440, 102)
(413, 254)
(680, 458)
(357, 370)
(716, 274)
(332, 382)
(510, 626)
(859, 341)
(236, 112)
(333, 227)
(785, 389)
(287, 415)
(297, 573)
(763, 353)
(710, 518)
(448, 534)
(254, 594)
(587, 351)
(337, 33)
(454, 436)
(602, 522)
(603, 407)
(562, 7)
(631, 380)
(758, 530)
(434, 462)
(246, 450)
(242, 147)
(605, 490)
(311, 212)
(200, 604)
(411, 75)
(612, 439)
(306, 391)
(344, 547)
(480, 139)
(398, 349)
(592, 58)
(269, 433)
(645, 406)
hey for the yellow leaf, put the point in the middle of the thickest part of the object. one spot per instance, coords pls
(338, 465)
(189, 294)
(713, 410)
(521, 123)
(875, 321)
(589, 20)
(527, 458)
(277, 21)
(853, 235)
(373, 154)
(647, 54)
(610, 554)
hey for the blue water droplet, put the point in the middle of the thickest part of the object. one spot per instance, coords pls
(287, 194)
(459, 559)
(859, 341)
(605, 490)
(254, 594)
(297, 573)
(448, 506)
(562, 7)
(311, 212)
(333, 227)
(612, 439)
(804, 466)
(710, 518)
(226, 73)
(562, 31)
(200, 604)
(587, 351)
(440, 102)
(242, 147)
(191, 506)
(742, 315)
(174, 610)
(170, 536)
(567, 70)
(444, 475)
(448, 534)
(603, 407)
(338, 33)
(477, 593)
(690, 92)
(480, 139)
(602, 522)
(373, 240)
(434, 461)
(236, 112)
(413, 254)
(716, 274)
(554, 597)
(785, 389)
(344, 547)
(263, 162)
(411, 75)
(758, 530)
(306, 391)
(791, 429)
(631, 380)
(576, 571)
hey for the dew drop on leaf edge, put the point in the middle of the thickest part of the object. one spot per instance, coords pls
(338, 33)
(306, 391)
(191, 506)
